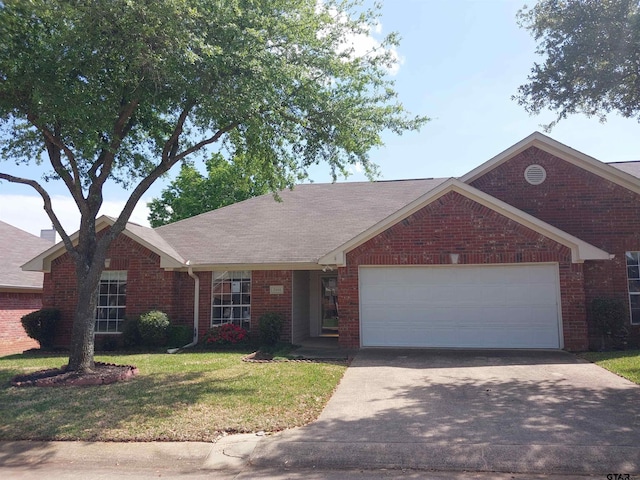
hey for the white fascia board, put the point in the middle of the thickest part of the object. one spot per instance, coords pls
(580, 250)
(338, 256)
(42, 263)
(254, 266)
(559, 150)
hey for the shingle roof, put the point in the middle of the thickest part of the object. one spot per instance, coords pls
(16, 248)
(153, 238)
(310, 220)
(631, 167)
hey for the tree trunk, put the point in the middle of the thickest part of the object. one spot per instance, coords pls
(82, 338)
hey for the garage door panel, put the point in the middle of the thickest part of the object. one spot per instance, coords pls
(481, 307)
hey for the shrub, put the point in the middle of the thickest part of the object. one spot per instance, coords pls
(610, 317)
(41, 325)
(131, 333)
(179, 335)
(227, 334)
(270, 328)
(153, 327)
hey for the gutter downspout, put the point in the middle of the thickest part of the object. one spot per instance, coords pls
(196, 310)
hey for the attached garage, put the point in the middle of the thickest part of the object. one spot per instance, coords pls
(461, 306)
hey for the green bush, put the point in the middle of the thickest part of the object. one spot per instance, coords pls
(131, 333)
(41, 325)
(179, 335)
(610, 318)
(154, 326)
(270, 325)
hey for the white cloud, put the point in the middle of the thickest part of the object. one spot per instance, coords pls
(365, 44)
(26, 212)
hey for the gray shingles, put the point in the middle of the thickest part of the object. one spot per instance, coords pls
(631, 167)
(16, 248)
(310, 221)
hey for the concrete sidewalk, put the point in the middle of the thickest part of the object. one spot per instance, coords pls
(225, 460)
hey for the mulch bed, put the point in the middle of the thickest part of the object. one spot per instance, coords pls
(262, 357)
(102, 374)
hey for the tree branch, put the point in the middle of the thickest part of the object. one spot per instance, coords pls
(121, 128)
(51, 139)
(171, 145)
(168, 161)
(47, 208)
(205, 142)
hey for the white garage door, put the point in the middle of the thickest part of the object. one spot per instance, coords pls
(461, 306)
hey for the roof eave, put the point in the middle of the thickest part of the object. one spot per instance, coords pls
(42, 263)
(562, 151)
(207, 267)
(580, 250)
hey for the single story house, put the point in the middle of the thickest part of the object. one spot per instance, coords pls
(20, 291)
(509, 255)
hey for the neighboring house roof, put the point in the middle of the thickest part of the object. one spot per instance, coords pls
(16, 247)
(308, 222)
(631, 167)
(580, 250)
(617, 175)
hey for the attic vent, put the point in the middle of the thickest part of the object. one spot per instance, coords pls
(535, 174)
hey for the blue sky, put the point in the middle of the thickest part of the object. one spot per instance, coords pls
(461, 61)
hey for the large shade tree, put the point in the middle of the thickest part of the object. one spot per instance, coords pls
(120, 91)
(591, 64)
(192, 193)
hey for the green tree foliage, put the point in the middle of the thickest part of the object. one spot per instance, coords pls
(120, 91)
(591, 51)
(192, 193)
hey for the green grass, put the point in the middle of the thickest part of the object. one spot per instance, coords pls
(624, 363)
(182, 397)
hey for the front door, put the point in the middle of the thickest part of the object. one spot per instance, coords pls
(329, 305)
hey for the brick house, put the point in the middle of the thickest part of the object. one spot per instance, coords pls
(20, 292)
(508, 256)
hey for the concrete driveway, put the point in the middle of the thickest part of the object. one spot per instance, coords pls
(501, 411)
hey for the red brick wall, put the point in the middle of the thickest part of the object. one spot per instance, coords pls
(13, 306)
(148, 286)
(582, 204)
(456, 224)
(264, 302)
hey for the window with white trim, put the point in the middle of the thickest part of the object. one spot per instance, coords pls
(112, 300)
(633, 279)
(231, 298)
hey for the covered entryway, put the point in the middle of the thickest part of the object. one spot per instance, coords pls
(462, 306)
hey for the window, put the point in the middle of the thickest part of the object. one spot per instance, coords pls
(231, 298)
(633, 276)
(112, 296)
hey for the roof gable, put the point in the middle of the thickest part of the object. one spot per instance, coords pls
(145, 236)
(568, 154)
(580, 250)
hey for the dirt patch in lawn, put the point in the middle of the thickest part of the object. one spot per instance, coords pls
(101, 374)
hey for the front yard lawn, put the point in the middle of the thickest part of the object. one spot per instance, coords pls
(624, 363)
(181, 397)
